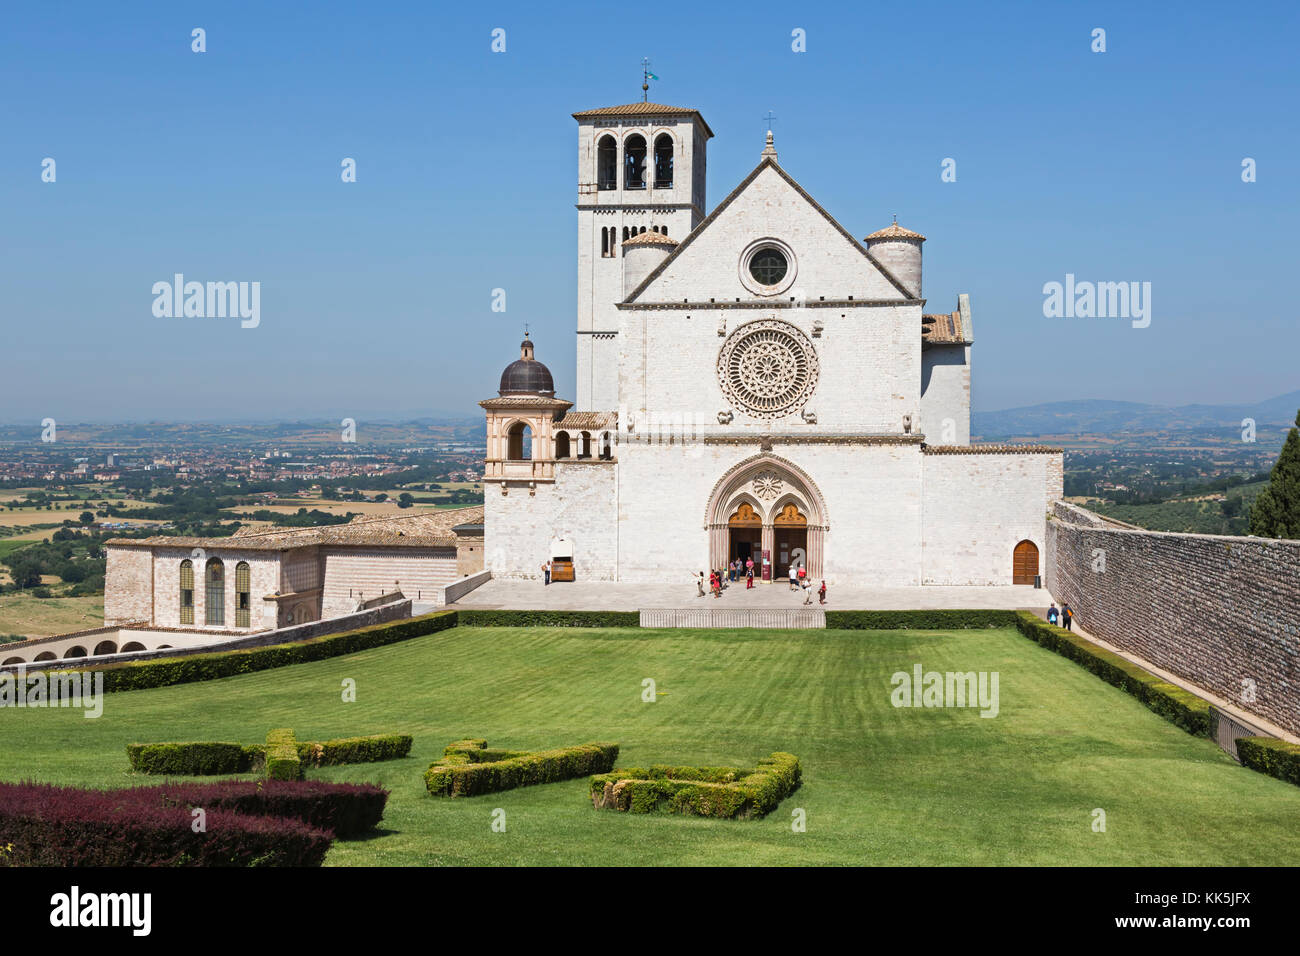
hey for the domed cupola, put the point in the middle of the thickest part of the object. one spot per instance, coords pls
(527, 376)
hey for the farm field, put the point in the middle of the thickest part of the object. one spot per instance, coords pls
(882, 785)
(20, 613)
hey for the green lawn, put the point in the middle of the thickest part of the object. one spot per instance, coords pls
(881, 785)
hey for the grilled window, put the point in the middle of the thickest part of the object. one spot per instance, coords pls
(243, 596)
(187, 591)
(215, 605)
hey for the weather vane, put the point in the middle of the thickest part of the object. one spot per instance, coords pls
(646, 77)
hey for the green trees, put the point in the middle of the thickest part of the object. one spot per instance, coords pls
(1276, 512)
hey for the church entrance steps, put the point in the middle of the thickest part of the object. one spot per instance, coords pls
(725, 617)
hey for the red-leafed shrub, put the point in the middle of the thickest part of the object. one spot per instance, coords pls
(346, 809)
(45, 825)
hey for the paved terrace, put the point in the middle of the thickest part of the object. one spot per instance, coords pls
(610, 596)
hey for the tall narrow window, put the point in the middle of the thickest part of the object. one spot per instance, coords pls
(634, 162)
(663, 161)
(187, 591)
(606, 163)
(625, 234)
(243, 596)
(215, 592)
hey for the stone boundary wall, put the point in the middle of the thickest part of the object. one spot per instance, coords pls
(287, 635)
(458, 589)
(1217, 610)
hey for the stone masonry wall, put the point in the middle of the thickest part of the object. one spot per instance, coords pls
(128, 585)
(1222, 612)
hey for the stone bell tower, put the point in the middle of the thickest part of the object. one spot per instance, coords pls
(640, 169)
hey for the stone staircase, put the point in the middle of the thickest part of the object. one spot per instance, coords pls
(772, 618)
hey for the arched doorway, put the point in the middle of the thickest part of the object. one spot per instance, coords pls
(790, 537)
(745, 534)
(1024, 563)
(786, 503)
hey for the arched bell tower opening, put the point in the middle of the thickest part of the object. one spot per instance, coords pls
(767, 505)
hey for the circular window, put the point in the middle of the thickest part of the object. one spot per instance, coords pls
(768, 368)
(768, 266)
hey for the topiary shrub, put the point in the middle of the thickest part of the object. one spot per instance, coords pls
(726, 792)
(920, 620)
(194, 759)
(282, 762)
(468, 768)
(371, 749)
(1277, 758)
(476, 618)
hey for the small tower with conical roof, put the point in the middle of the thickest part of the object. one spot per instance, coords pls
(899, 251)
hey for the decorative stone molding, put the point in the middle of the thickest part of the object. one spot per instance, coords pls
(725, 418)
(767, 484)
(809, 416)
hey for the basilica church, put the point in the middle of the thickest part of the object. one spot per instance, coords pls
(753, 381)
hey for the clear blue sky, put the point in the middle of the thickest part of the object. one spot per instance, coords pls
(1118, 166)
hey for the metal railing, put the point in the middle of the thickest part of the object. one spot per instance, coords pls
(1225, 729)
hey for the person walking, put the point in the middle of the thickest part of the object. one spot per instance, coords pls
(546, 573)
(821, 594)
(1067, 616)
(807, 592)
(794, 577)
(749, 577)
(749, 566)
(1053, 615)
(699, 583)
(803, 574)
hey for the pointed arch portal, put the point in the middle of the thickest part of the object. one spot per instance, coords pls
(767, 505)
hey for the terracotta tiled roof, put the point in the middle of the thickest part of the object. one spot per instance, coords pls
(588, 421)
(943, 329)
(422, 529)
(894, 231)
(525, 401)
(649, 238)
(644, 109)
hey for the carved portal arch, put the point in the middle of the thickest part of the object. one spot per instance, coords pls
(767, 503)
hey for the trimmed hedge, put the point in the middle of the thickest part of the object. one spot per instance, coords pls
(476, 618)
(725, 792)
(347, 810)
(469, 769)
(194, 759)
(282, 762)
(371, 749)
(201, 758)
(1171, 702)
(928, 620)
(46, 825)
(200, 667)
(1277, 758)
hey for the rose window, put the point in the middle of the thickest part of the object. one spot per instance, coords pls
(768, 368)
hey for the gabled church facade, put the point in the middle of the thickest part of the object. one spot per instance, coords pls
(753, 382)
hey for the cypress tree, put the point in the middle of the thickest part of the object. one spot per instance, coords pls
(1276, 512)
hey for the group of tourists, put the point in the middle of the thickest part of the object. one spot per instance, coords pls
(738, 570)
(1064, 617)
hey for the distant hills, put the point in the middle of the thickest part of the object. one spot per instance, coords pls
(1098, 416)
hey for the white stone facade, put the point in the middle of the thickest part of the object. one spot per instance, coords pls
(774, 386)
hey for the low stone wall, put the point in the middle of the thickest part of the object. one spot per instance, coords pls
(458, 589)
(286, 635)
(1221, 612)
